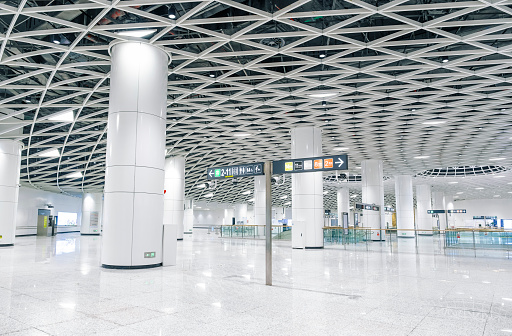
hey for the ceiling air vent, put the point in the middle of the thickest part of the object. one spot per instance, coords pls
(275, 42)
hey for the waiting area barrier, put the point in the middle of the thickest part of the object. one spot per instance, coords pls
(281, 232)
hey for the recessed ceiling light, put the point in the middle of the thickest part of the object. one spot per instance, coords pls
(498, 176)
(460, 193)
(453, 182)
(358, 167)
(434, 122)
(251, 199)
(497, 159)
(326, 192)
(241, 134)
(456, 196)
(340, 148)
(322, 95)
(137, 33)
(422, 157)
(201, 186)
(288, 203)
(49, 153)
(209, 195)
(479, 188)
(63, 116)
(246, 192)
(496, 195)
(74, 175)
(510, 192)
(284, 197)
(353, 196)
(445, 59)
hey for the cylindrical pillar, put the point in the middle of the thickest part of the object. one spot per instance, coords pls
(449, 205)
(373, 193)
(259, 204)
(439, 204)
(10, 163)
(188, 217)
(307, 191)
(423, 204)
(404, 206)
(92, 212)
(174, 197)
(241, 214)
(343, 198)
(134, 178)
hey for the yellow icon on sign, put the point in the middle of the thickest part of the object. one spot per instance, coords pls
(288, 166)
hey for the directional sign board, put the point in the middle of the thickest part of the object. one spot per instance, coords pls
(307, 165)
(457, 211)
(363, 206)
(220, 173)
(435, 211)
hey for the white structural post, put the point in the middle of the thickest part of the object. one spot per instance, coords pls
(307, 191)
(259, 204)
(449, 205)
(241, 213)
(439, 204)
(92, 213)
(10, 163)
(174, 197)
(404, 206)
(134, 179)
(343, 198)
(423, 204)
(188, 217)
(373, 193)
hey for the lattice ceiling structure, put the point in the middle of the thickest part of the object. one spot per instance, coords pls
(404, 79)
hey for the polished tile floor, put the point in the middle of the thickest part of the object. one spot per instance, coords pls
(55, 286)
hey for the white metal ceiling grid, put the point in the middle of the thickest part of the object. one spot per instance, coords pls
(384, 64)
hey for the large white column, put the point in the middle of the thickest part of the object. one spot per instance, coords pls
(174, 197)
(241, 213)
(259, 204)
(10, 163)
(448, 201)
(423, 203)
(134, 179)
(307, 191)
(404, 206)
(188, 217)
(439, 204)
(343, 198)
(92, 213)
(373, 193)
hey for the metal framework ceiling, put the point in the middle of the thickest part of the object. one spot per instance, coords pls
(428, 79)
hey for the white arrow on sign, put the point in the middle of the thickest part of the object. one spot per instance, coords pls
(339, 162)
(210, 173)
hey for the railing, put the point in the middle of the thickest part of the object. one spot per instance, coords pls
(281, 232)
(441, 240)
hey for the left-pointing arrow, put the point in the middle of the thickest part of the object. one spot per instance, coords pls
(210, 173)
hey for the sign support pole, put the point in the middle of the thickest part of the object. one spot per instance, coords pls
(268, 223)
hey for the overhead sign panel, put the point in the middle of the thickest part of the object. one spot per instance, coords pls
(220, 173)
(457, 211)
(305, 165)
(435, 211)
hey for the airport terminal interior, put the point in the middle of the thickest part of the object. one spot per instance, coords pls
(255, 167)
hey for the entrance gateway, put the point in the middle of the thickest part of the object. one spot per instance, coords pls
(291, 166)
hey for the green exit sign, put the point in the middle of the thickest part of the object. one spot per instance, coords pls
(149, 254)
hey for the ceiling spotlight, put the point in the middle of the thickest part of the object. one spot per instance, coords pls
(246, 192)
(49, 153)
(212, 75)
(460, 193)
(137, 33)
(209, 195)
(63, 116)
(445, 59)
(497, 159)
(434, 122)
(201, 186)
(322, 95)
(453, 182)
(56, 39)
(422, 157)
(479, 188)
(353, 196)
(27, 100)
(74, 175)
(284, 197)
(341, 149)
(171, 13)
(240, 134)
(322, 55)
(324, 103)
(237, 108)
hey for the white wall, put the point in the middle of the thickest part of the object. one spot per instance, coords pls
(484, 207)
(32, 199)
(208, 217)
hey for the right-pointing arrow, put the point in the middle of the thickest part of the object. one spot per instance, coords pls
(340, 162)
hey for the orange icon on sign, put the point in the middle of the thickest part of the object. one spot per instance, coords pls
(328, 163)
(318, 164)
